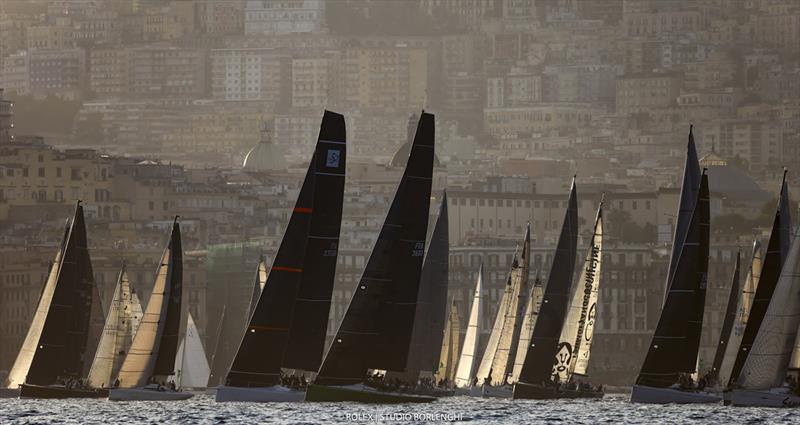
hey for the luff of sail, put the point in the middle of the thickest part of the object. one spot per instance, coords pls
(590, 278)
(531, 313)
(768, 361)
(538, 365)
(429, 319)
(731, 311)
(152, 353)
(296, 297)
(120, 327)
(376, 329)
(742, 313)
(22, 363)
(774, 260)
(675, 343)
(62, 323)
(191, 365)
(469, 349)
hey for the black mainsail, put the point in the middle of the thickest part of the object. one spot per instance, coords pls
(731, 311)
(429, 320)
(56, 346)
(375, 332)
(777, 250)
(676, 341)
(287, 327)
(538, 365)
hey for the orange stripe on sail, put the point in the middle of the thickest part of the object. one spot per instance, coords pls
(302, 210)
(287, 269)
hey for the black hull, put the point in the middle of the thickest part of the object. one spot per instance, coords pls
(365, 395)
(538, 392)
(59, 391)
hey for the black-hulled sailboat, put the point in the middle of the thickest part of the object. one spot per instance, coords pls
(672, 354)
(375, 332)
(536, 376)
(57, 352)
(148, 371)
(288, 325)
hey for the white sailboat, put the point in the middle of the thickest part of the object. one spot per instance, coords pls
(191, 364)
(465, 372)
(763, 376)
(531, 313)
(448, 357)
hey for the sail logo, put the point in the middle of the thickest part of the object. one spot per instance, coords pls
(587, 334)
(563, 358)
(332, 160)
(419, 249)
(332, 250)
(587, 313)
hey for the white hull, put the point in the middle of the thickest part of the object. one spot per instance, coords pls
(505, 391)
(653, 395)
(275, 393)
(777, 397)
(146, 394)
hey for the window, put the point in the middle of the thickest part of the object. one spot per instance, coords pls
(151, 205)
(24, 172)
(58, 172)
(41, 172)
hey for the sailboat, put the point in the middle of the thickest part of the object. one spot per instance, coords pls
(536, 376)
(56, 353)
(448, 356)
(121, 324)
(375, 332)
(574, 347)
(467, 361)
(498, 361)
(744, 301)
(731, 311)
(531, 313)
(191, 364)
(148, 371)
(762, 379)
(672, 354)
(429, 319)
(287, 328)
(774, 261)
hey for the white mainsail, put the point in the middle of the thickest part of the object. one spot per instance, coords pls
(138, 365)
(25, 356)
(469, 350)
(120, 327)
(766, 366)
(487, 361)
(191, 363)
(743, 312)
(448, 358)
(531, 313)
(576, 335)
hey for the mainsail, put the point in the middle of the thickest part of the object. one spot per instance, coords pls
(531, 313)
(676, 341)
(121, 324)
(576, 335)
(730, 318)
(429, 320)
(287, 327)
(152, 353)
(538, 365)
(469, 350)
(448, 356)
(774, 260)
(375, 332)
(56, 344)
(492, 345)
(191, 364)
(768, 361)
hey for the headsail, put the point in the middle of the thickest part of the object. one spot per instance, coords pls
(448, 356)
(774, 260)
(538, 365)
(529, 322)
(465, 372)
(676, 341)
(730, 318)
(152, 353)
(287, 327)
(375, 332)
(191, 364)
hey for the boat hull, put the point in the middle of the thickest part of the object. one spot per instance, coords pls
(522, 391)
(146, 394)
(779, 397)
(60, 391)
(9, 392)
(469, 391)
(653, 395)
(361, 394)
(504, 391)
(275, 393)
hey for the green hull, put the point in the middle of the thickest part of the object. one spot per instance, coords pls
(330, 393)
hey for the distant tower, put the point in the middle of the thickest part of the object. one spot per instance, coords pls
(5, 120)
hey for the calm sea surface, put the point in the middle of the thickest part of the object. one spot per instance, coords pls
(203, 410)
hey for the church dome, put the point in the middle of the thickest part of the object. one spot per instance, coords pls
(265, 156)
